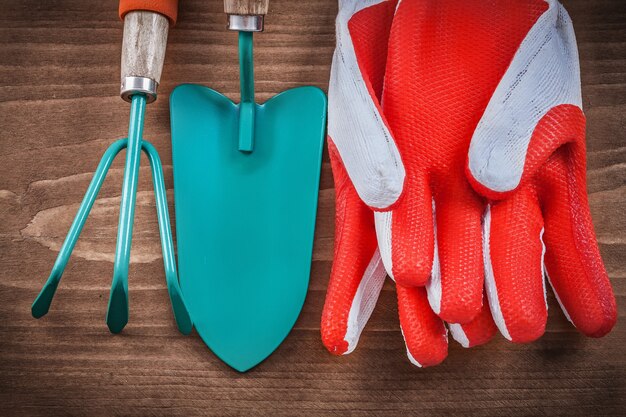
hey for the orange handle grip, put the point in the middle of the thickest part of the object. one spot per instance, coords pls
(168, 8)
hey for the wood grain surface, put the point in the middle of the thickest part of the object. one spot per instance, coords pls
(60, 109)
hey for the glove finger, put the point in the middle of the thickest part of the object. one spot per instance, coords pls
(355, 119)
(573, 264)
(455, 291)
(405, 236)
(357, 274)
(477, 332)
(350, 300)
(542, 83)
(424, 333)
(514, 266)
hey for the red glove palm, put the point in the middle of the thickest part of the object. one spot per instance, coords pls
(445, 59)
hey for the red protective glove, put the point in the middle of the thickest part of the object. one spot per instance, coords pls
(357, 278)
(495, 74)
(444, 60)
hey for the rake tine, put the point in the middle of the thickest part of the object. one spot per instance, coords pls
(117, 311)
(41, 305)
(181, 314)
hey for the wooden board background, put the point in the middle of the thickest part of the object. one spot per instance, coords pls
(59, 109)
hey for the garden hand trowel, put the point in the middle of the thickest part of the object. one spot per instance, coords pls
(245, 186)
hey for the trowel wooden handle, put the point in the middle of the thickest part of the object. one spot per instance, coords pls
(246, 15)
(143, 52)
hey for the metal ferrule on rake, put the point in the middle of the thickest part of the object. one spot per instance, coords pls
(145, 37)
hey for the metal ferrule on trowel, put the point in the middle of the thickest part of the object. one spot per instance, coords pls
(246, 17)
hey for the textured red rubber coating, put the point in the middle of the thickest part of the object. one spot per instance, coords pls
(445, 60)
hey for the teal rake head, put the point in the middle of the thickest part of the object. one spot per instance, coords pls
(141, 55)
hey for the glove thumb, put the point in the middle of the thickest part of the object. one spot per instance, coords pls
(355, 120)
(516, 135)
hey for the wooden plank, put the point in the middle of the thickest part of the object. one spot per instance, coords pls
(59, 109)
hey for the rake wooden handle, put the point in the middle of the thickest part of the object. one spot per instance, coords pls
(246, 7)
(143, 47)
(143, 52)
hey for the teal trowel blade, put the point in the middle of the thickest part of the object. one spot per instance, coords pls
(245, 220)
